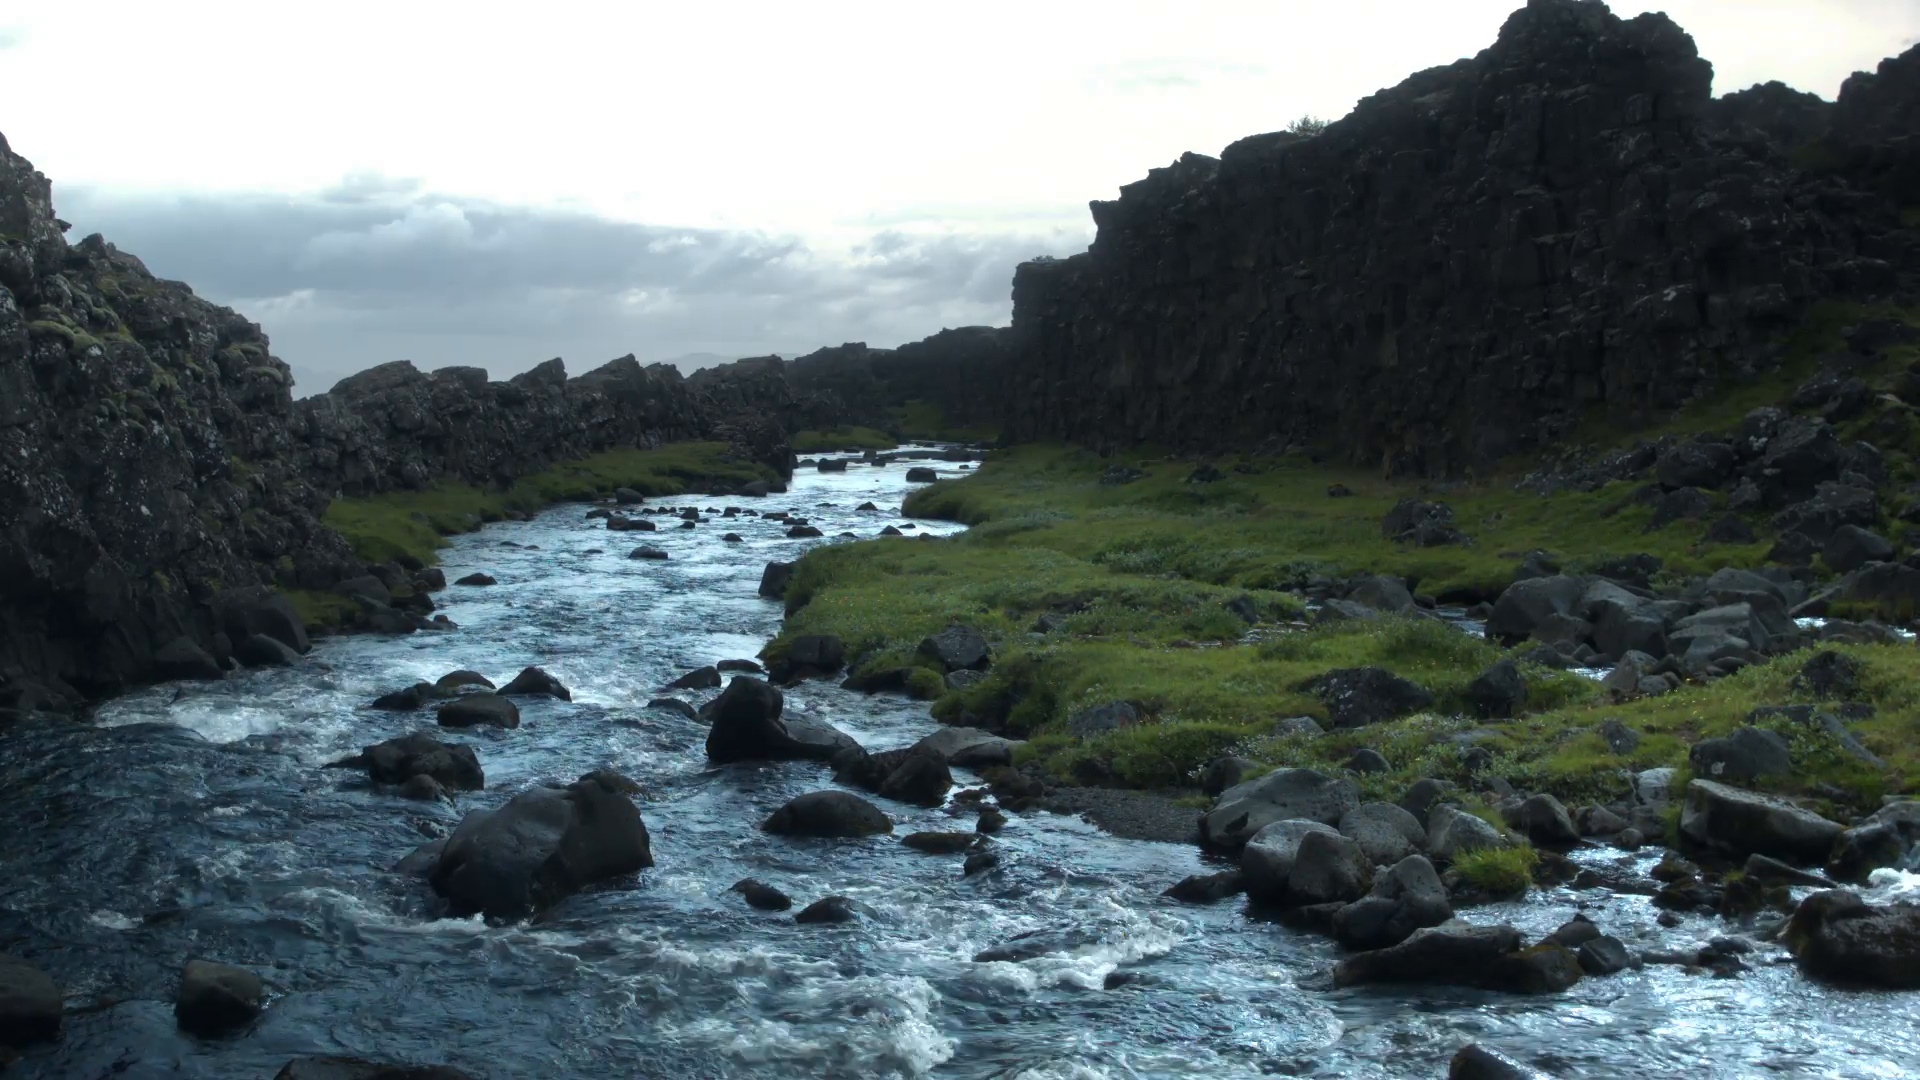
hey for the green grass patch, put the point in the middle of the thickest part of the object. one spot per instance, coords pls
(382, 527)
(842, 438)
(1506, 871)
(320, 610)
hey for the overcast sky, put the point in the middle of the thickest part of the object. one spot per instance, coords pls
(442, 183)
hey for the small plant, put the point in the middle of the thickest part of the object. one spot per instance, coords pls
(1506, 871)
(1308, 125)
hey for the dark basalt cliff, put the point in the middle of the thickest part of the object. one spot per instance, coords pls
(1475, 260)
(962, 369)
(156, 473)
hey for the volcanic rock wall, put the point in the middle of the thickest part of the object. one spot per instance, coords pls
(962, 370)
(1470, 262)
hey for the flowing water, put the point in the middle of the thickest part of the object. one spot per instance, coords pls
(196, 820)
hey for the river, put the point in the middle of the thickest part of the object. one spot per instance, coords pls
(196, 820)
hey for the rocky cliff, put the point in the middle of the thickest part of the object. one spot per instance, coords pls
(147, 463)
(157, 477)
(962, 370)
(1475, 260)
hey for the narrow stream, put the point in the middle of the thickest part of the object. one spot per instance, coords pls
(195, 820)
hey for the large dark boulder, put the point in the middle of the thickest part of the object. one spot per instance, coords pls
(1244, 809)
(1356, 697)
(1695, 465)
(1832, 506)
(1498, 692)
(1527, 603)
(773, 580)
(451, 765)
(815, 654)
(1745, 822)
(747, 726)
(241, 613)
(30, 1003)
(183, 658)
(1421, 523)
(1838, 937)
(535, 682)
(471, 710)
(1747, 754)
(957, 648)
(216, 999)
(542, 846)
(828, 814)
(1851, 547)
(1406, 896)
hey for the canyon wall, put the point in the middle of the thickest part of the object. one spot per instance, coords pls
(1563, 226)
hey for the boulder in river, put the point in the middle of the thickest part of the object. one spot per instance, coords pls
(398, 760)
(831, 909)
(408, 699)
(1452, 831)
(921, 475)
(647, 552)
(1476, 1062)
(183, 658)
(1405, 897)
(476, 579)
(1266, 862)
(462, 679)
(31, 1004)
(535, 682)
(814, 654)
(1208, 888)
(1745, 822)
(1837, 936)
(773, 580)
(1544, 820)
(1386, 833)
(256, 609)
(746, 726)
(1456, 954)
(674, 705)
(968, 748)
(943, 843)
(705, 678)
(829, 814)
(259, 650)
(1245, 809)
(216, 999)
(471, 710)
(761, 896)
(1328, 868)
(543, 845)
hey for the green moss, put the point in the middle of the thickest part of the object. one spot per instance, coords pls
(925, 684)
(1505, 871)
(322, 611)
(381, 527)
(1910, 217)
(842, 438)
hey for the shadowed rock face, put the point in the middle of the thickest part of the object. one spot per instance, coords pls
(1469, 261)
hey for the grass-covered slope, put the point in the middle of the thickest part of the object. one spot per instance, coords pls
(1135, 579)
(842, 438)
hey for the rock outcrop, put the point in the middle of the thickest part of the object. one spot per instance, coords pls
(1471, 260)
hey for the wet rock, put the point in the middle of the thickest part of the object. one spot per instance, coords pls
(1222, 773)
(1838, 937)
(968, 748)
(535, 682)
(828, 814)
(1526, 604)
(741, 666)
(1405, 897)
(542, 846)
(183, 658)
(957, 648)
(1476, 1062)
(705, 678)
(980, 861)
(674, 705)
(1283, 794)
(1453, 954)
(1499, 691)
(1266, 862)
(747, 726)
(1367, 760)
(647, 552)
(462, 679)
(1356, 697)
(1603, 955)
(921, 475)
(1750, 752)
(216, 999)
(243, 612)
(774, 579)
(31, 1004)
(1037, 943)
(1765, 868)
(407, 700)
(620, 523)
(1599, 821)
(1328, 868)
(921, 778)
(259, 650)
(943, 843)
(761, 896)
(476, 579)
(422, 788)
(1860, 851)
(1544, 821)
(470, 710)
(397, 760)
(991, 820)
(815, 654)
(1208, 888)
(830, 909)
(1386, 833)
(1745, 822)
(1452, 831)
